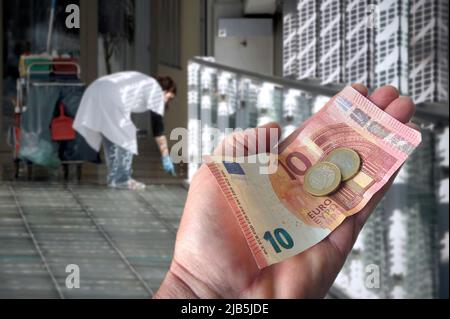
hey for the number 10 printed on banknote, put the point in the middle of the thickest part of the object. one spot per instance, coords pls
(277, 216)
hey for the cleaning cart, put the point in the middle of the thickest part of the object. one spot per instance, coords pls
(48, 95)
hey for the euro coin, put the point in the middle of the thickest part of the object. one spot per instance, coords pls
(348, 161)
(322, 179)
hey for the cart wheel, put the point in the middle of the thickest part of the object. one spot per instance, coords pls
(30, 172)
(16, 169)
(79, 172)
(66, 172)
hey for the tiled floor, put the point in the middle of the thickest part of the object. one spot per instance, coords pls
(122, 241)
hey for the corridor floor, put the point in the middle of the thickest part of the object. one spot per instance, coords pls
(121, 241)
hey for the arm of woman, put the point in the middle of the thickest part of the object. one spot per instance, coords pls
(159, 134)
(161, 141)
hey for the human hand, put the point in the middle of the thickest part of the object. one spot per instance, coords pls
(212, 258)
(168, 166)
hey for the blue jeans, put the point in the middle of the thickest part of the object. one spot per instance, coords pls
(119, 163)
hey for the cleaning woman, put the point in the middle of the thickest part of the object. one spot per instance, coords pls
(104, 117)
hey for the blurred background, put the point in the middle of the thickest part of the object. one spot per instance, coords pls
(238, 64)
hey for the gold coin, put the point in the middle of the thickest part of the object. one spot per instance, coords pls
(348, 161)
(322, 179)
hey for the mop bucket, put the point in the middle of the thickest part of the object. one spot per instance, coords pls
(17, 133)
(17, 140)
(62, 127)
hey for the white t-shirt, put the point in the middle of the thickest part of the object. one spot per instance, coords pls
(108, 103)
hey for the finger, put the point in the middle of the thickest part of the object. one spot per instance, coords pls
(384, 96)
(361, 88)
(402, 109)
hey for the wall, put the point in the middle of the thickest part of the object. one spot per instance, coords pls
(190, 47)
(88, 38)
(248, 45)
(142, 53)
(278, 43)
(235, 9)
(143, 58)
(225, 9)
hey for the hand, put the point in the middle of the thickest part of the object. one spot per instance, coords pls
(212, 258)
(168, 166)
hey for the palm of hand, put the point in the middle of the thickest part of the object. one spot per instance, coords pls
(212, 241)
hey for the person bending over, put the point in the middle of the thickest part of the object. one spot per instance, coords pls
(104, 118)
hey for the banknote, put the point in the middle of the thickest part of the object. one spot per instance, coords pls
(278, 217)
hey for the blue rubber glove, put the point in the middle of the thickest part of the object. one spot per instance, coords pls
(168, 166)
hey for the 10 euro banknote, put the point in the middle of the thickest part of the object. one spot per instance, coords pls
(277, 216)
